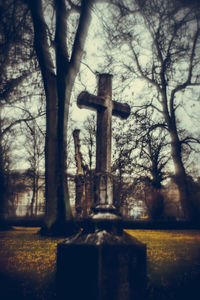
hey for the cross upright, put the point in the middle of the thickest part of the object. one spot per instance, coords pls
(105, 107)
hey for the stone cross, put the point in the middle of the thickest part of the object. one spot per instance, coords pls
(105, 107)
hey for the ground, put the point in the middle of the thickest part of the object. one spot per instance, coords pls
(28, 264)
(173, 263)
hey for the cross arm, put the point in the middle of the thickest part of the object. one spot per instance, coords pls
(121, 110)
(86, 100)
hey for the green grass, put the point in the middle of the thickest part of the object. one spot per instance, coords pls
(173, 262)
(28, 264)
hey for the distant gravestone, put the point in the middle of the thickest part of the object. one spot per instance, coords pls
(100, 262)
(84, 182)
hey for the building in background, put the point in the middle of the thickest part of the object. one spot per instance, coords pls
(27, 200)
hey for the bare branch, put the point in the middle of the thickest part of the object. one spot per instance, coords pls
(8, 128)
(62, 56)
(40, 38)
(11, 84)
(81, 34)
(190, 69)
(190, 139)
(75, 7)
(25, 120)
(159, 125)
(94, 72)
(124, 10)
(151, 80)
(149, 105)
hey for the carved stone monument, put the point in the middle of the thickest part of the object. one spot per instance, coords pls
(100, 262)
(84, 182)
(105, 107)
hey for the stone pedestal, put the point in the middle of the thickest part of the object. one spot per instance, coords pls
(101, 266)
(104, 208)
(101, 263)
(84, 195)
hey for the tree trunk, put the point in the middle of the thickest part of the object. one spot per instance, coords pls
(36, 193)
(51, 154)
(41, 46)
(58, 88)
(66, 75)
(189, 211)
(2, 192)
(64, 209)
(2, 180)
(176, 151)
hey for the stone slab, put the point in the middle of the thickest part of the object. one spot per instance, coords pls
(101, 266)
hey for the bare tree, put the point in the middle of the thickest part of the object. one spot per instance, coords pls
(89, 140)
(168, 63)
(141, 157)
(16, 64)
(58, 78)
(34, 146)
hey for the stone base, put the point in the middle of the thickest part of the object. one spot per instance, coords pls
(105, 212)
(101, 266)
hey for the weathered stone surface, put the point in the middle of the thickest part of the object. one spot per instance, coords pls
(101, 263)
(84, 195)
(84, 180)
(102, 266)
(78, 155)
(105, 107)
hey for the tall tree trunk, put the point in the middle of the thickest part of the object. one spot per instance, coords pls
(41, 46)
(2, 190)
(66, 75)
(51, 153)
(176, 151)
(2, 180)
(189, 211)
(36, 193)
(64, 94)
(58, 88)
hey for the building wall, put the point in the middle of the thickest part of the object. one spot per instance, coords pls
(21, 198)
(81, 191)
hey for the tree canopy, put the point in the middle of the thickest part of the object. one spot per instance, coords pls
(151, 48)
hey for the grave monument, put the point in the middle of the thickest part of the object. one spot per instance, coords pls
(84, 182)
(102, 262)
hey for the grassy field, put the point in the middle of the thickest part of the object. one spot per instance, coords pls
(173, 263)
(28, 261)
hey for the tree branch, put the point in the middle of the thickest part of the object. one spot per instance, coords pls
(151, 80)
(40, 38)
(124, 10)
(74, 6)
(159, 125)
(8, 128)
(190, 69)
(27, 119)
(11, 84)
(149, 105)
(62, 56)
(190, 139)
(81, 34)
